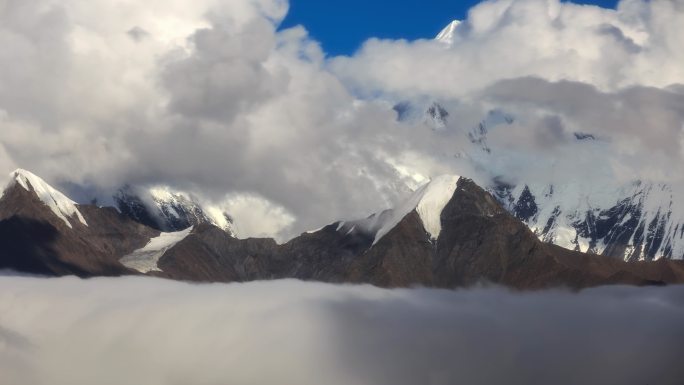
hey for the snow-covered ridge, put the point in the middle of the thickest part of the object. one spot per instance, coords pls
(145, 260)
(428, 200)
(169, 202)
(59, 203)
(636, 221)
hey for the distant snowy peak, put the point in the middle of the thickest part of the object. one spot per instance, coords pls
(180, 206)
(636, 221)
(432, 114)
(437, 116)
(478, 134)
(448, 33)
(428, 201)
(59, 204)
(165, 209)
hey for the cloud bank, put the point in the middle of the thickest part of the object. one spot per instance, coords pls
(209, 97)
(138, 330)
(550, 39)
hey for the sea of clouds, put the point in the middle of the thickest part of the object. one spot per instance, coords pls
(114, 331)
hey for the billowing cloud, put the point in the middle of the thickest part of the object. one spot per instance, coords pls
(141, 330)
(209, 97)
(212, 100)
(637, 44)
(635, 130)
(559, 68)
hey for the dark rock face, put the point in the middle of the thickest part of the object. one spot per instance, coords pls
(210, 254)
(133, 207)
(479, 242)
(27, 246)
(526, 207)
(403, 257)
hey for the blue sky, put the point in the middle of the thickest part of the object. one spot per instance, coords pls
(342, 25)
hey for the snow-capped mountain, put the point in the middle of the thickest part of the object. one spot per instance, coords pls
(43, 231)
(63, 207)
(168, 210)
(448, 34)
(640, 220)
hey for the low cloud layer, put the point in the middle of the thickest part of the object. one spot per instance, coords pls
(138, 330)
(211, 98)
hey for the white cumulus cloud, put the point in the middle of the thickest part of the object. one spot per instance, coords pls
(210, 97)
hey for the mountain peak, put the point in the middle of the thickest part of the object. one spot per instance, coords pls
(447, 34)
(58, 203)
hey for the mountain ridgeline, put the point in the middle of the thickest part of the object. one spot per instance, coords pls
(449, 233)
(633, 221)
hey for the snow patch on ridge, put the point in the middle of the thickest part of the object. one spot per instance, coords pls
(169, 201)
(145, 260)
(429, 201)
(58, 203)
(434, 199)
